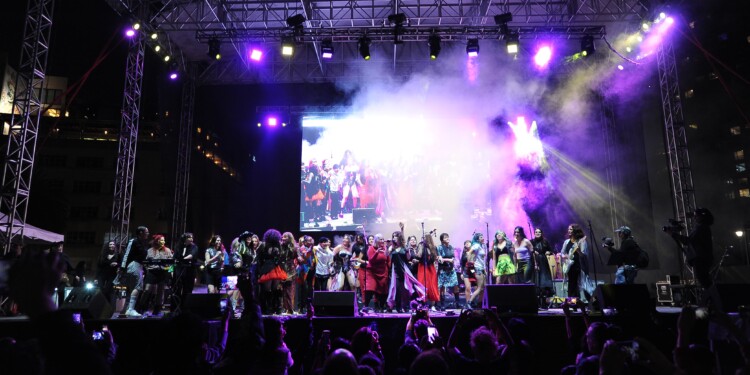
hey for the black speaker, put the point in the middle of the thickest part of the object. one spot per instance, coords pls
(733, 295)
(89, 302)
(334, 303)
(520, 298)
(625, 298)
(207, 306)
(363, 215)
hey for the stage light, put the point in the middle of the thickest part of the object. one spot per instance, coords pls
(645, 26)
(166, 58)
(174, 71)
(587, 45)
(620, 67)
(364, 47)
(129, 32)
(511, 43)
(157, 48)
(434, 43)
(397, 19)
(296, 21)
(501, 19)
(136, 26)
(472, 47)
(214, 48)
(89, 285)
(272, 121)
(154, 36)
(543, 56)
(173, 76)
(256, 54)
(326, 49)
(287, 46)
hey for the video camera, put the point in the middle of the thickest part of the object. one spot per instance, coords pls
(675, 226)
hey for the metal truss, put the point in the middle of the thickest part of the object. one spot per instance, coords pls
(27, 109)
(128, 141)
(184, 151)
(612, 172)
(683, 191)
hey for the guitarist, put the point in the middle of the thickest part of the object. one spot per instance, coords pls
(575, 268)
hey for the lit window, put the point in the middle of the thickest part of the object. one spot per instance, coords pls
(739, 155)
(740, 167)
(735, 130)
(745, 193)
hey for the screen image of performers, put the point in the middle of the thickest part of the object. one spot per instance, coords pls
(575, 266)
(403, 283)
(503, 259)
(542, 270)
(305, 272)
(214, 264)
(426, 270)
(447, 277)
(314, 194)
(289, 265)
(475, 267)
(324, 264)
(522, 249)
(270, 273)
(157, 276)
(343, 277)
(376, 284)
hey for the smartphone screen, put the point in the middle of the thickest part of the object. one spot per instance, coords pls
(77, 318)
(432, 333)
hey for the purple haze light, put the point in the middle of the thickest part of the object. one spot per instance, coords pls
(272, 121)
(256, 54)
(527, 146)
(129, 32)
(173, 76)
(543, 56)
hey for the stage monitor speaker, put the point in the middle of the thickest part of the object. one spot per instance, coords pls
(334, 303)
(518, 298)
(733, 296)
(363, 215)
(207, 306)
(632, 299)
(89, 302)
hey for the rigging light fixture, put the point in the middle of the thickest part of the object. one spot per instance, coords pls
(511, 43)
(326, 49)
(434, 43)
(587, 45)
(364, 47)
(287, 46)
(397, 21)
(472, 47)
(214, 48)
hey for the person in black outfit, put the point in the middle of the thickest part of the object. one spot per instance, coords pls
(186, 256)
(109, 261)
(625, 257)
(131, 267)
(699, 249)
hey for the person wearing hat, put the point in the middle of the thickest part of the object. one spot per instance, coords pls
(699, 249)
(625, 257)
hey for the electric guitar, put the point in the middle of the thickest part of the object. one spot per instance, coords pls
(569, 261)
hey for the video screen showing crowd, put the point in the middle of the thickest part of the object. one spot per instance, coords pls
(395, 274)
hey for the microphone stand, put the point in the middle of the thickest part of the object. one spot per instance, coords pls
(487, 281)
(424, 270)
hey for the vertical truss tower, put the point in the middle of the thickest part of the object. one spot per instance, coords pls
(128, 141)
(27, 109)
(184, 149)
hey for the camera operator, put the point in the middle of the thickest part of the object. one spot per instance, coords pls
(699, 249)
(625, 257)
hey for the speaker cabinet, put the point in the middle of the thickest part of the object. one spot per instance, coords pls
(334, 303)
(363, 215)
(207, 306)
(625, 298)
(517, 298)
(90, 303)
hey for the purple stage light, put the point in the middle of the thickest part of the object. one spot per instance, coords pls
(527, 146)
(173, 76)
(256, 54)
(272, 121)
(327, 55)
(129, 32)
(543, 56)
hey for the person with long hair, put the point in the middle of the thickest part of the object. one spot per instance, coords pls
(351, 180)
(359, 262)
(157, 275)
(343, 277)
(377, 273)
(305, 271)
(426, 271)
(403, 282)
(467, 269)
(324, 264)
(447, 277)
(522, 249)
(542, 249)
(479, 251)
(270, 273)
(314, 188)
(233, 267)
(575, 268)
(109, 261)
(502, 258)
(186, 259)
(289, 265)
(214, 263)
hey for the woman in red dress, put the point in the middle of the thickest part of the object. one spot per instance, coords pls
(377, 273)
(426, 271)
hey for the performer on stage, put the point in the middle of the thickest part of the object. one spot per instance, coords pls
(478, 252)
(314, 188)
(305, 272)
(403, 282)
(426, 272)
(131, 267)
(186, 259)
(214, 263)
(109, 261)
(447, 277)
(359, 260)
(351, 180)
(157, 275)
(377, 273)
(625, 257)
(324, 260)
(411, 250)
(289, 265)
(467, 269)
(524, 261)
(270, 273)
(575, 267)
(542, 249)
(233, 266)
(343, 277)
(502, 257)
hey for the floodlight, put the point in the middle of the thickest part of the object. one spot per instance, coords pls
(434, 43)
(287, 46)
(214, 48)
(326, 49)
(511, 43)
(587, 45)
(364, 47)
(501, 19)
(296, 21)
(472, 47)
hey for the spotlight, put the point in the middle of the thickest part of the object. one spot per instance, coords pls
(501, 19)
(272, 121)
(256, 54)
(166, 58)
(154, 36)
(587, 45)
(543, 56)
(136, 26)
(296, 21)
(287, 46)
(511, 43)
(326, 49)
(434, 43)
(364, 47)
(397, 19)
(214, 48)
(157, 48)
(129, 32)
(472, 47)
(89, 285)
(174, 71)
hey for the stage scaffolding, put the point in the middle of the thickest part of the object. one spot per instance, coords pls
(184, 151)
